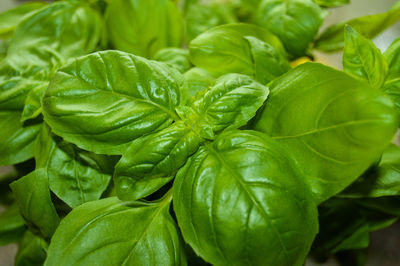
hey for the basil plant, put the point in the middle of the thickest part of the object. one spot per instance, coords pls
(142, 132)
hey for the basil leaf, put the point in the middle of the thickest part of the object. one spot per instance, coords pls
(295, 22)
(12, 225)
(362, 59)
(201, 17)
(31, 251)
(268, 63)
(177, 57)
(332, 3)
(230, 195)
(332, 38)
(16, 138)
(231, 102)
(59, 31)
(382, 180)
(12, 17)
(151, 162)
(75, 176)
(103, 101)
(330, 143)
(124, 28)
(33, 197)
(134, 233)
(392, 85)
(197, 79)
(33, 106)
(216, 53)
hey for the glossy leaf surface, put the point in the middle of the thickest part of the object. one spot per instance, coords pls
(103, 101)
(135, 233)
(309, 113)
(239, 201)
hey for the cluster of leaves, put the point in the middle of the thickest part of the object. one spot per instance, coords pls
(128, 149)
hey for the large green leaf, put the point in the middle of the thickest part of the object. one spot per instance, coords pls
(61, 30)
(381, 180)
(16, 138)
(144, 26)
(224, 49)
(295, 22)
(103, 101)
(332, 38)
(12, 225)
(33, 197)
(31, 251)
(241, 201)
(12, 17)
(335, 126)
(362, 59)
(75, 176)
(152, 161)
(107, 230)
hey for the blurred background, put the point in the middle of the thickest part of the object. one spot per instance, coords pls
(384, 248)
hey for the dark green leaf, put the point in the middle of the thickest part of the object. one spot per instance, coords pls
(295, 22)
(75, 176)
(108, 230)
(31, 251)
(16, 138)
(332, 38)
(33, 197)
(12, 225)
(103, 101)
(239, 201)
(331, 3)
(362, 59)
(321, 116)
(144, 26)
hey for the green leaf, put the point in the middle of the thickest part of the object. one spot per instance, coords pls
(75, 176)
(33, 197)
(31, 251)
(157, 22)
(392, 85)
(381, 180)
(239, 200)
(103, 101)
(151, 162)
(16, 138)
(57, 32)
(268, 63)
(176, 57)
(12, 225)
(197, 79)
(321, 116)
(362, 59)
(295, 22)
(107, 230)
(217, 53)
(231, 102)
(12, 17)
(33, 106)
(332, 3)
(201, 17)
(332, 38)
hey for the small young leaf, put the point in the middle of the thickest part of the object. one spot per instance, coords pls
(33, 197)
(362, 59)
